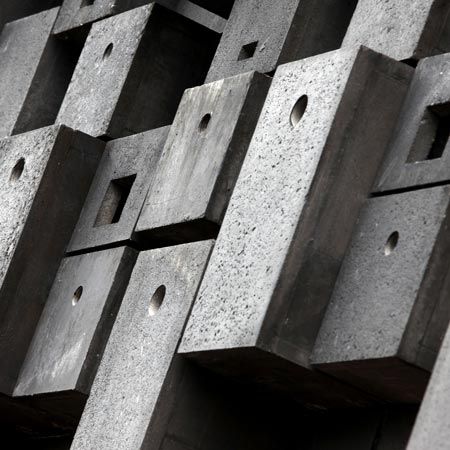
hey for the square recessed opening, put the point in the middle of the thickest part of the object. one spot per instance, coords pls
(114, 201)
(248, 51)
(87, 3)
(432, 136)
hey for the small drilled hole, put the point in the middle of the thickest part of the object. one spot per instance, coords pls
(77, 295)
(87, 3)
(299, 110)
(17, 171)
(156, 300)
(203, 125)
(248, 51)
(108, 51)
(391, 243)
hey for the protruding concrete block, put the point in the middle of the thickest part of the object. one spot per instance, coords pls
(401, 29)
(432, 428)
(419, 151)
(133, 71)
(118, 191)
(261, 34)
(44, 180)
(75, 14)
(35, 70)
(389, 310)
(139, 352)
(75, 324)
(315, 152)
(202, 158)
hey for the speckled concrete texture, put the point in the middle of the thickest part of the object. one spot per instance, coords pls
(401, 29)
(139, 353)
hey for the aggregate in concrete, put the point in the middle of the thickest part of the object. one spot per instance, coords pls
(139, 352)
(133, 70)
(311, 163)
(75, 324)
(389, 309)
(202, 158)
(75, 14)
(44, 180)
(118, 191)
(401, 29)
(261, 34)
(419, 151)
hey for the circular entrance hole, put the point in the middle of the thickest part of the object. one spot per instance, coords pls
(298, 110)
(17, 171)
(203, 125)
(391, 243)
(108, 51)
(156, 300)
(77, 295)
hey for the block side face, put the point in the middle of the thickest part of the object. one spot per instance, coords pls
(264, 211)
(135, 156)
(380, 277)
(68, 323)
(142, 342)
(102, 70)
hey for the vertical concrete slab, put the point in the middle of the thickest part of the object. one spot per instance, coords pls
(419, 151)
(202, 158)
(261, 34)
(389, 309)
(133, 71)
(315, 152)
(401, 29)
(140, 349)
(44, 180)
(118, 191)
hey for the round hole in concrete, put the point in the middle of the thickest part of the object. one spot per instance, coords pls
(77, 295)
(156, 300)
(17, 171)
(391, 243)
(203, 125)
(108, 51)
(298, 110)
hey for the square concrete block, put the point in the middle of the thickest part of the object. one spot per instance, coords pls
(389, 309)
(76, 14)
(118, 191)
(419, 152)
(202, 158)
(401, 29)
(44, 180)
(35, 70)
(75, 324)
(133, 70)
(311, 163)
(261, 34)
(139, 353)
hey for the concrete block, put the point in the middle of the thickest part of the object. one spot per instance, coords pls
(389, 309)
(133, 71)
(202, 158)
(10, 11)
(75, 324)
(221, 7)
(44, 180)
(261, 34)
(118, 191)
(432, 428)
(401, 29)
(76, 14)
(35, 70)
(419, 150)
(311, 163)
(141, 346)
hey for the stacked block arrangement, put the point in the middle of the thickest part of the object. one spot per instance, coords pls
(224, 225)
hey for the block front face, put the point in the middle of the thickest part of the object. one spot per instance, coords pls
(419, 151)
(202, 157)
(141, 346)
(73, 328)
(117, 194)
(22, 44)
